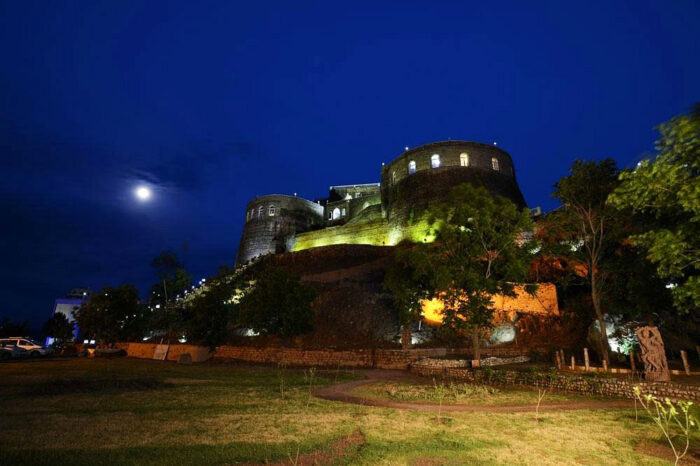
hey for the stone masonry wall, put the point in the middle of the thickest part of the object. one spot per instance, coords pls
(588, 385)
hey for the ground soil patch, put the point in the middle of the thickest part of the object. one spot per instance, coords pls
(663, 451)
(337, 451)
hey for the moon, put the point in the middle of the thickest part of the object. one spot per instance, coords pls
(143, 193)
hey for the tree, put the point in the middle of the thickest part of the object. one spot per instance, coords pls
(113, 314)
(210, 314)
(173, 279)
(278, 304)
(408, 278)
(480, 251)
(666, 193)
(58, 327)
(8, 328)
(589, 221)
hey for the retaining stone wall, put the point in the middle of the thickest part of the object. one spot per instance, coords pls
(297, 357)
(147, 350)
(605, 386)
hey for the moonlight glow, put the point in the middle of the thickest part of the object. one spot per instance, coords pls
(143, 193)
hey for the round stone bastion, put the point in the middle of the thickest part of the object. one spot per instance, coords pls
(271, 222)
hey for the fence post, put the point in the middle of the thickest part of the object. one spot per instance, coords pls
(557, 359)
(684, 357)
(563, 358)
(573, 363)
(586, 361)
(605, 365)
(633, 364)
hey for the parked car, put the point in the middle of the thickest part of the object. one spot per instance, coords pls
(24, 346)
(5, 352)
(68, 348)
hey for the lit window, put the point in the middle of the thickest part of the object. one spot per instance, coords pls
(464, 159)
(434, 161)
(411, 167)
(271, 211)
(336, 213)
(358, 195)
(342, 212)
(260, 211)
(494, 163)
(393, 177)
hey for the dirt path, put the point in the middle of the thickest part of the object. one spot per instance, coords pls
(343, 392)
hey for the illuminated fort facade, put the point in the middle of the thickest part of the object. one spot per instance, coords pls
(381, 214)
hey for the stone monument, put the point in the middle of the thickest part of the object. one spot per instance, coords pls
(653, 354)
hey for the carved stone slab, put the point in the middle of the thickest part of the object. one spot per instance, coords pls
(653, 354)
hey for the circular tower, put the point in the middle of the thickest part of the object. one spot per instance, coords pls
(272, 221)
(424, 176)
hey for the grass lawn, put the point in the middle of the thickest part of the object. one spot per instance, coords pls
(460, 393)
(126, 411)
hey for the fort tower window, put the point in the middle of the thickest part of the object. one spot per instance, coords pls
(411, 167)
(336, 213)
(464, 159)
(435, 161)
(260, 211)
(494, 163)
(271, 211)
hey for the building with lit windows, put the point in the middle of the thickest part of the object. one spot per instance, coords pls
(381, 214)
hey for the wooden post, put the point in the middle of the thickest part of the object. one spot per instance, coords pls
(573, 363)
(632, 363)
(684, 357)
(586, 361)
(563, 359)
(605, 365)
(557, 359)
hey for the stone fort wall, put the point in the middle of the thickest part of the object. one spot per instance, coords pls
(410, 185)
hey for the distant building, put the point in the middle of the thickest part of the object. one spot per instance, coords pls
(69, 305)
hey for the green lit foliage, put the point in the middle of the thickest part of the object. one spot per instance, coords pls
(586, 224)
(113, 314)
(665, 192)
(479, 252)
(278, 304)
(58, 327)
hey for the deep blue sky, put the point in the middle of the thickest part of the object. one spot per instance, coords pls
(217, 102)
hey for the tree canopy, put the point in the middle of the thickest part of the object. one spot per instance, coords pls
(665, 192)
(113, 314)
(58, 327)
(586, 224)
(278, 303)
(209, 316)
(481, 249)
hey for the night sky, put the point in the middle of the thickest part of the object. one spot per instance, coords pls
(213, 103)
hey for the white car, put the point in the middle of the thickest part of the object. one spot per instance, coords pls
(24, 346)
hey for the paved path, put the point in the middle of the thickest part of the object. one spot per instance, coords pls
(343, 393)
